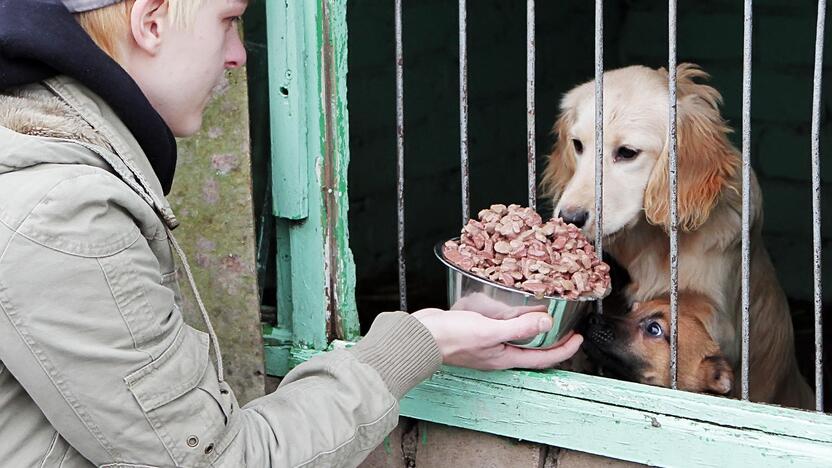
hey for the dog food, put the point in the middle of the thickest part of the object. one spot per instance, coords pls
(512, 245)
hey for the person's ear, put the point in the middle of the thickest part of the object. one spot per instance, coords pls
(148, 24)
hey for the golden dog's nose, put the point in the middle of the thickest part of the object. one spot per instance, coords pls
(576, 216)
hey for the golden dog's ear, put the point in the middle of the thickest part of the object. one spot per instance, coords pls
(706, 161)
(560, 164)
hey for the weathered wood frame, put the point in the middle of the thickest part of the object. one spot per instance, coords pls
(308, 64)
(307, 54)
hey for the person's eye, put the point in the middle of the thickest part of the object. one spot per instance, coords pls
(624, 153)
(579, 147)
(654, 329)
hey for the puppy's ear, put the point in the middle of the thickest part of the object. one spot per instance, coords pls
(717, 376)
(560, 165)
(707, 162)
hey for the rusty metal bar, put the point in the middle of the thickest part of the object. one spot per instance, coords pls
(816, 95)
(599, 130)
(746, 192)
(674, 190)
(400, 154)
(463, 109)
(530, 108)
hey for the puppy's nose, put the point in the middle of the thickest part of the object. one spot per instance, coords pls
(598, 330)
(574, 216)
(602, 335)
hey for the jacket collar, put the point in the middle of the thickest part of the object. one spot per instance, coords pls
(59, 110)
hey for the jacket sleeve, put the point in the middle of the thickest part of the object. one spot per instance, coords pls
(90, 328)
(335, 408)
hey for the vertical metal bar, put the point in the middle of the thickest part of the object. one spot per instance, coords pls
(746, 191)
(599, 130)
(530, 110)
(463, 109)
(400, 154)
(674, 207)
(816, 94)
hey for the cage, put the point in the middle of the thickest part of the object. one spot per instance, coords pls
(351, 138)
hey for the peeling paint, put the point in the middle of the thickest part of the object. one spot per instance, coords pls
(225, 163)
(214, 133)
(211, 191)
(203, 259)
(608, 417)
(205, 245)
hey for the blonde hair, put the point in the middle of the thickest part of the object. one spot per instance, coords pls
(109, 27)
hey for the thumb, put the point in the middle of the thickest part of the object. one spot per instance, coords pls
(524, 326)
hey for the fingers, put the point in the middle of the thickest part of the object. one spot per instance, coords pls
(422, 313)
(491, 308)
(523, 326)
(537, 358)
(481, 304)
(517, 311)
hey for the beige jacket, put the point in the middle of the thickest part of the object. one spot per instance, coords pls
(97, 367)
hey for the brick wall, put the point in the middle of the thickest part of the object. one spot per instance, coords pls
(422, 444)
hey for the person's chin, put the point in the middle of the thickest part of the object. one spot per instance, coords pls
(188, 128)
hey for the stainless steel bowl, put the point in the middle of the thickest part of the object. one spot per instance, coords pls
(470, 292)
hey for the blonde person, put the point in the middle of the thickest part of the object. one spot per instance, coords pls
(97, 367)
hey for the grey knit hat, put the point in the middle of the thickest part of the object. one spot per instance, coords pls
(77, 6)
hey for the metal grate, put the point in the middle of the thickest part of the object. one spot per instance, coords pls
(674, 198)
(819, 36)
(599, 163)
(400, 154)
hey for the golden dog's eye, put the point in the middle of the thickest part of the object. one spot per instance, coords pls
(579, 147)
(624, 153)
(654, 329)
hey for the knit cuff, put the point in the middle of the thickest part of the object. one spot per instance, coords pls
(401, 350)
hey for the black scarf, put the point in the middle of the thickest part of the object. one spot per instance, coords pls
(40, 39)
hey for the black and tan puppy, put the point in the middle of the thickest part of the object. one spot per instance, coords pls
(635, 346)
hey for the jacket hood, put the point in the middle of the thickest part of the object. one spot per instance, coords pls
(60, 121)
(33, 111)
(40, 39)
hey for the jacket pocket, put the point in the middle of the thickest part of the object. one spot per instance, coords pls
(171, 281)
(180, 396)
(56, 453)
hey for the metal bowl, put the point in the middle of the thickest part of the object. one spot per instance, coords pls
(470, 292)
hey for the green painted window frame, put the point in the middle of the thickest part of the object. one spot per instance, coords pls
(307, 50)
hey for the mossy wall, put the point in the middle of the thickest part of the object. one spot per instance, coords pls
(213, 200)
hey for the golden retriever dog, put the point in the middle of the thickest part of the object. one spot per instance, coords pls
(635, 346)
(636, 211)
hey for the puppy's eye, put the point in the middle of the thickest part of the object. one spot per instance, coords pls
(654, 329)
(624, 153)
(579, 147)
